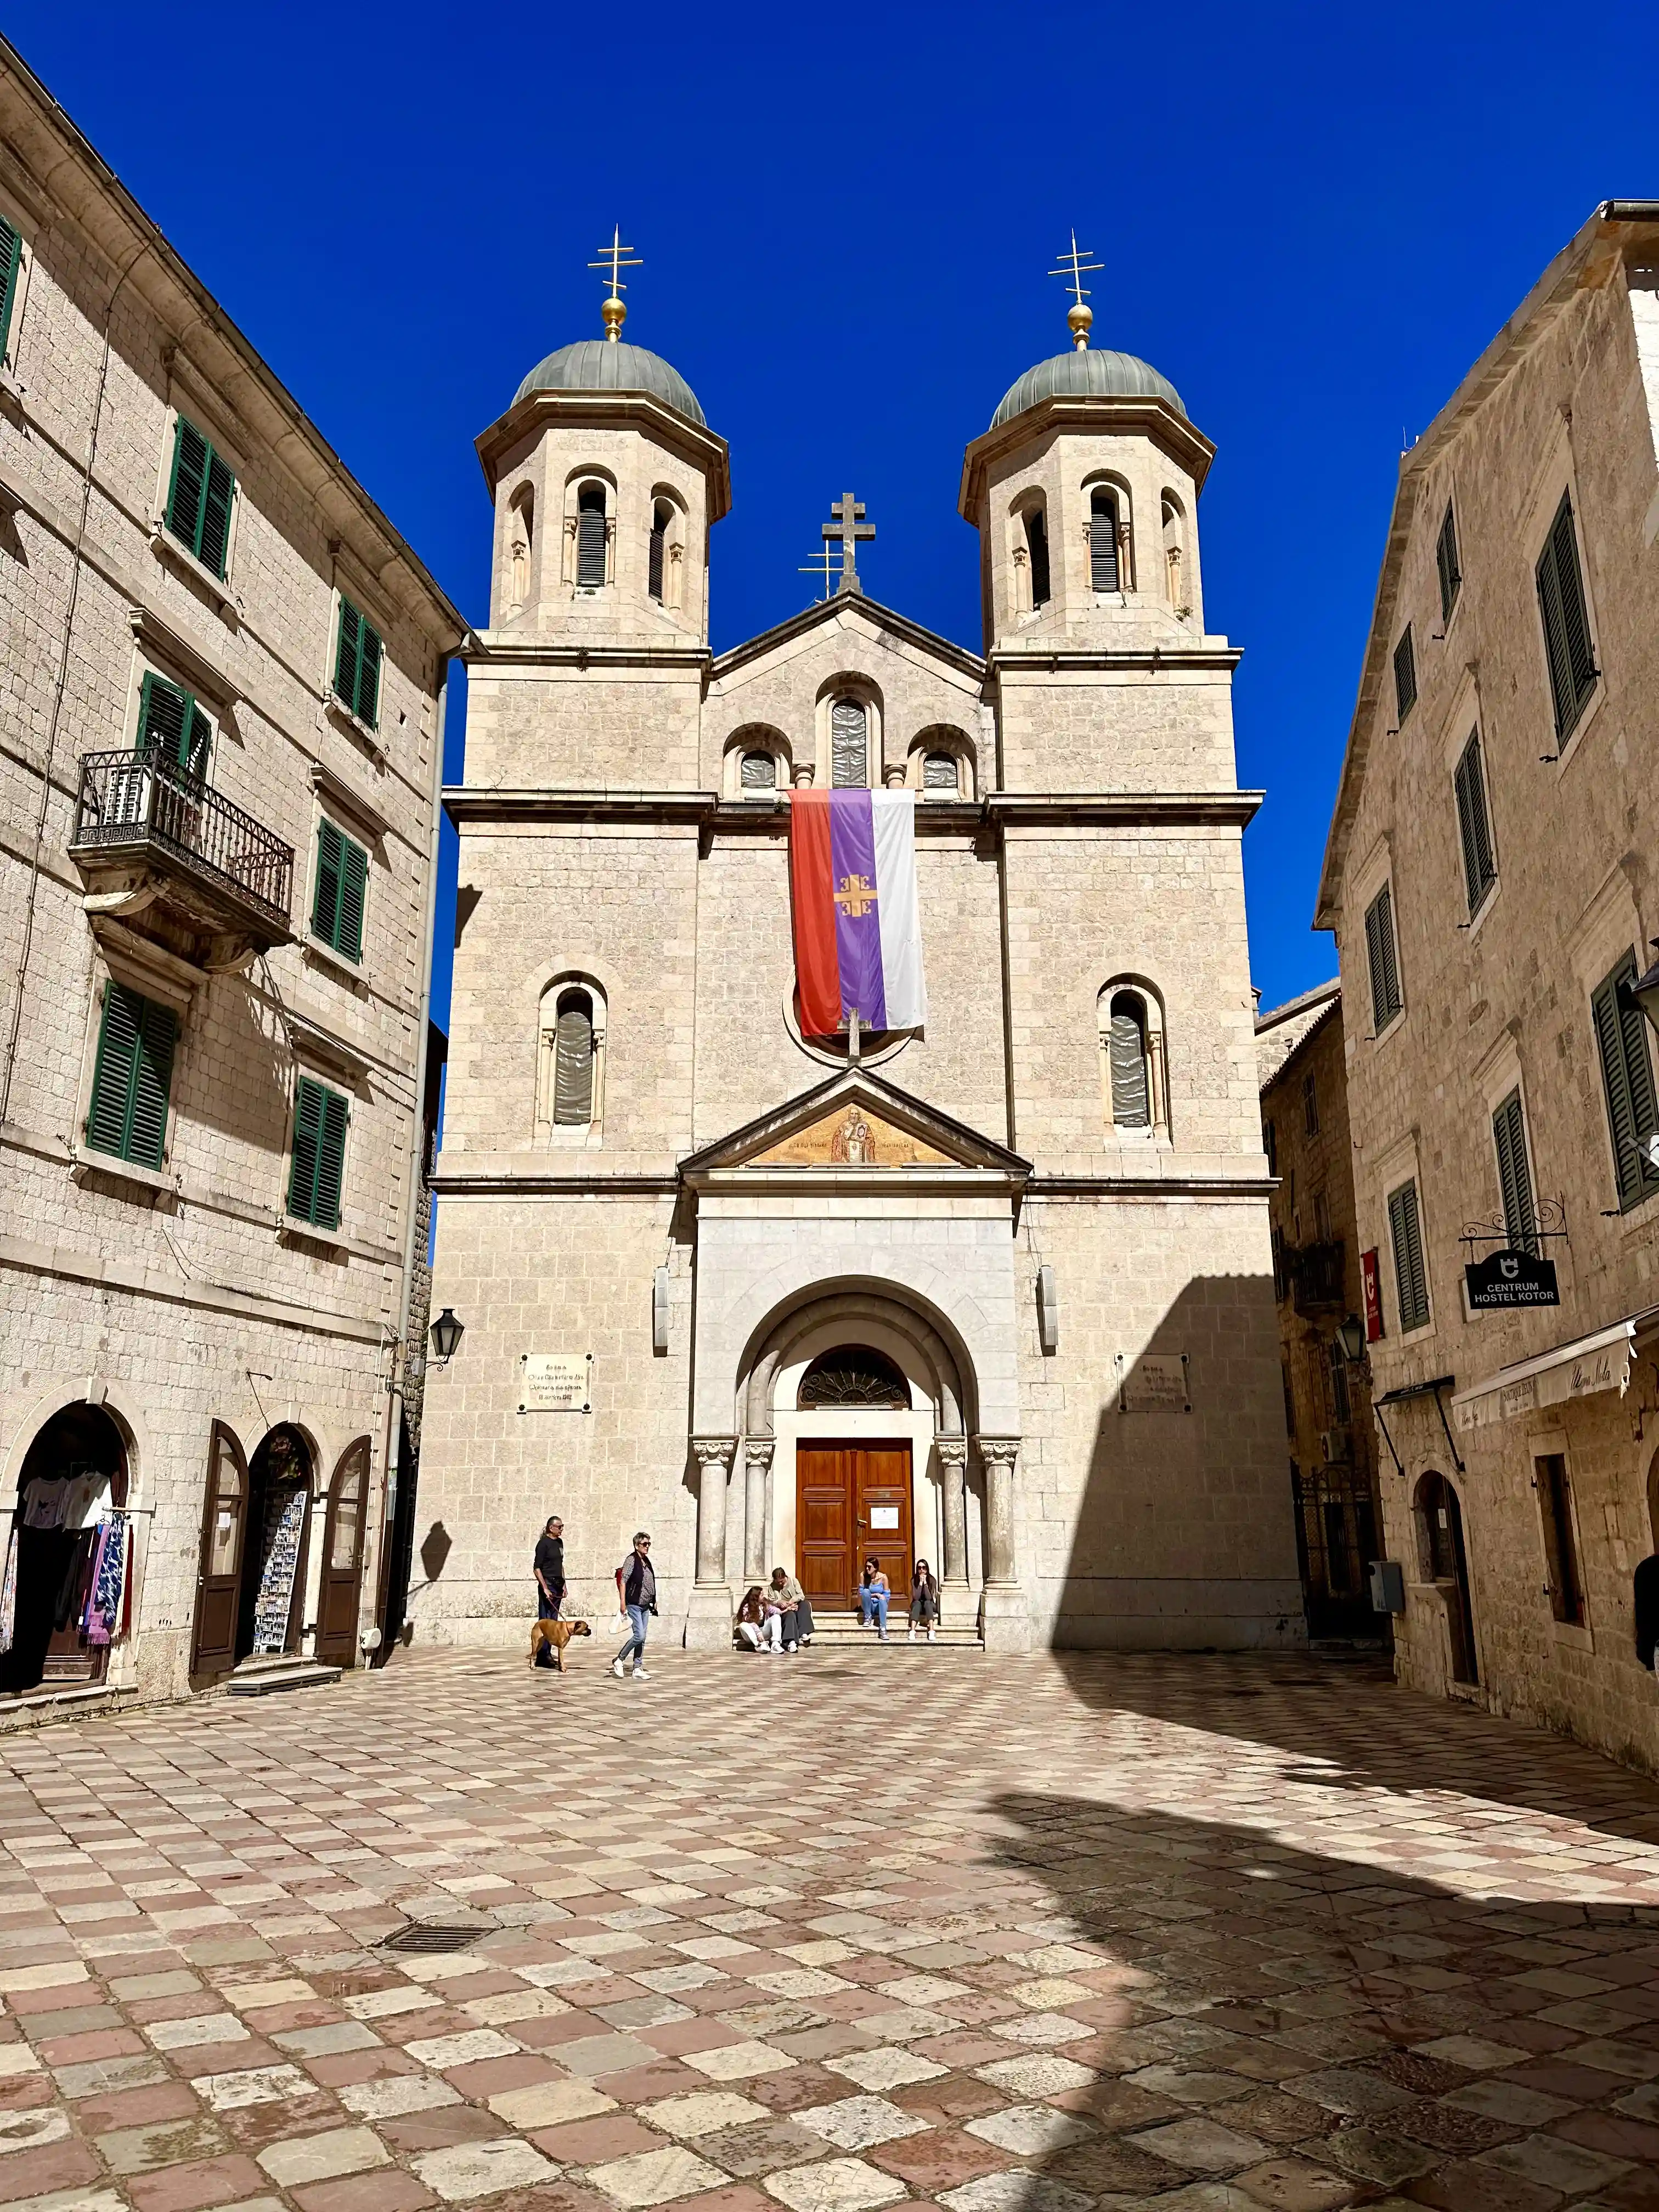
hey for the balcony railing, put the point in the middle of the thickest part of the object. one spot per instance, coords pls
(132, 800)
(1316, 1276)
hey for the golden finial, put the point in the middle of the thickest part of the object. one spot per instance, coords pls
(1079, 318)
(615, 257)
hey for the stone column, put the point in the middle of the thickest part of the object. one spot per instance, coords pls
(953, 1466)
(708, 1619)
(757, 1466)
(1006, 1623)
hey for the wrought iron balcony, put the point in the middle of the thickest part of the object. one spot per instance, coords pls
(148, 834)
(1316, 1276)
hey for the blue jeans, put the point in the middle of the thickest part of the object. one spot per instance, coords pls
(638, 1621)
(874, 1601)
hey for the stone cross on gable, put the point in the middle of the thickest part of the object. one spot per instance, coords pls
(850, 525)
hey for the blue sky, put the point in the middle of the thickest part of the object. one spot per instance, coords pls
(1312, 220)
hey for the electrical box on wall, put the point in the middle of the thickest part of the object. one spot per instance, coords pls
(1388, 1586)
(1047, 1310)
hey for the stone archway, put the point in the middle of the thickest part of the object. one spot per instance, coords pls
(68, 1508)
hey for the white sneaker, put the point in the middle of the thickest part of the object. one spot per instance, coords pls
(933, 1635)
(791, 1647)
(617, 1668)
(911, 1637)
(640, 1674)
(883, 1636)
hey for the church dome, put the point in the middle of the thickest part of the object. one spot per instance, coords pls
(1097, 373)
(600, 365)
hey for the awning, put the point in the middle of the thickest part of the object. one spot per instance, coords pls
(1578, 1370)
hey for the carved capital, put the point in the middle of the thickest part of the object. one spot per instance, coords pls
(715, 1451)
(757, 1450)
(997, 1451)
(952, 1451)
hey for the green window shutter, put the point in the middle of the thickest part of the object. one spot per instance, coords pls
(215, 540)
(1627, 1082)
(1405, 676)
(1410, 1280)
(1514, 1176)
(1566, 622)
(345, 654)
(170, 722)
(132, 1078)
(189, 485)
(318, 1157)
(353, 885)
(1446, 561)
(370, 653)
(1383, 960)
(1474, 824)
(11, 261)
(326, 904)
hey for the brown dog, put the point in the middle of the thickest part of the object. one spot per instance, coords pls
(556, 1634)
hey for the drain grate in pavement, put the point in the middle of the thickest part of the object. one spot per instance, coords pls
(426, 1936)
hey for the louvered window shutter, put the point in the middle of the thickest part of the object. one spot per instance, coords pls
(939, 773)
(189, 469)
(1565, 620)
(132, 1078)
(1405, 1232)
(353, 887)
(1405, 676)
(1474, 826)
(573, 1062)
(11, 261)
(1036, 540)
(345, 654)
(1382, 960)
(331, 1161)
(1514, 1176)
(1627, 1082)
(369, 654)
(759, 772)
(164, 711)
(307, 1133)
(658, 543)
(199, 743)
(214, 540)
(1446, 561)
(1103, 544)
(849, 749)
(326, 905)
(1131, 1108)
(590, 540)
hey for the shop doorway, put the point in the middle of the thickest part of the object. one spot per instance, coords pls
(68, 1514)
(270, 1595)
(851, 1500)
(340, 1592)
(1440, 1518)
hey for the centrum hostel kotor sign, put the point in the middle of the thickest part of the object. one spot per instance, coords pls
(1503, 1281)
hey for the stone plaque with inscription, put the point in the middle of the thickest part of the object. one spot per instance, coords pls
(1156, 1383)
(556, 1383)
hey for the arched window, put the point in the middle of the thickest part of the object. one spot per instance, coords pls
(941, 772)
(1102, 542)
(570, 1060)
(1131, 1062)
(851, 1377)
(849, 744)
(1172, 553)
(1036, 547)
(590, 535)
(759, 772)
(662, 517)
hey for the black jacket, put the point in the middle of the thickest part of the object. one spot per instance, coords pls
(549, 1560)
(1645, 1593)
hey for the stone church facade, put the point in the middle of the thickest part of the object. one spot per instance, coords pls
(998, 1294)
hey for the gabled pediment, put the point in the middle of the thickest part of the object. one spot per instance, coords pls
(857, 1124)
(850, 611)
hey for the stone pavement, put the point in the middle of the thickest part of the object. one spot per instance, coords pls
(1214, 1935)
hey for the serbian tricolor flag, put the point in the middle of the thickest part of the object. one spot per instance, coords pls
(857, 925)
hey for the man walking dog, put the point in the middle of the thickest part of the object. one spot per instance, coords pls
(636, 1596)
(550, 1578)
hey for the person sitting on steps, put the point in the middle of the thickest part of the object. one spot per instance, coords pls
(924, 1602)
(875, 1593)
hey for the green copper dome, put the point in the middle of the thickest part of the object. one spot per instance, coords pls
(1097, 373)
(598, 365)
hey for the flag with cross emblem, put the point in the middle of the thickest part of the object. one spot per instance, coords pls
(858, 920)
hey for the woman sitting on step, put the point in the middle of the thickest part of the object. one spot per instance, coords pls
(875, 1593)
(924, 1602)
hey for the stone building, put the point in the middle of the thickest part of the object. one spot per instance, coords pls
(1317, 1284)
(221, 740)
(1490, 877)
(997, 1293)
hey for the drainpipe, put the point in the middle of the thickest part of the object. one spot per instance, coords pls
(400, 1350)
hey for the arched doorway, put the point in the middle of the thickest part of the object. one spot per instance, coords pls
(341, 1586)
(272, 1585)
(70, 1545)
(1445, 1564)
(853, 1494)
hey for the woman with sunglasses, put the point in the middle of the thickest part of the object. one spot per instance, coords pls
(875, 1593)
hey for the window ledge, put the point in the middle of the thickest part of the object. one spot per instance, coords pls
(290, 1232)
(83, 1160)
(1477, 921)
(165, 547)
(1566, 747)
(14, 396)
(1394, 1022)
(1576, 1635)
(1638, 1219)
(347, 971)
(336, 706)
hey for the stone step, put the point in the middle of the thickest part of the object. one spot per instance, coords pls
(841, 1631)
(270, 1677)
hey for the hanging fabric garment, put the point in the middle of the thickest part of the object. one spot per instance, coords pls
(126, 1581)
(108, 1580)
(72, 1591)
(8, 1594)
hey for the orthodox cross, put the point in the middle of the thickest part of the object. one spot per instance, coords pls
(615, 257)
(1073, 266)
(820, 566)
(850, 525)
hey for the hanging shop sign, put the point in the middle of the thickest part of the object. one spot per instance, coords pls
(1373, 1288)
(1505, 1280)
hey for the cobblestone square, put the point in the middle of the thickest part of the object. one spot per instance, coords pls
(827, 1932)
